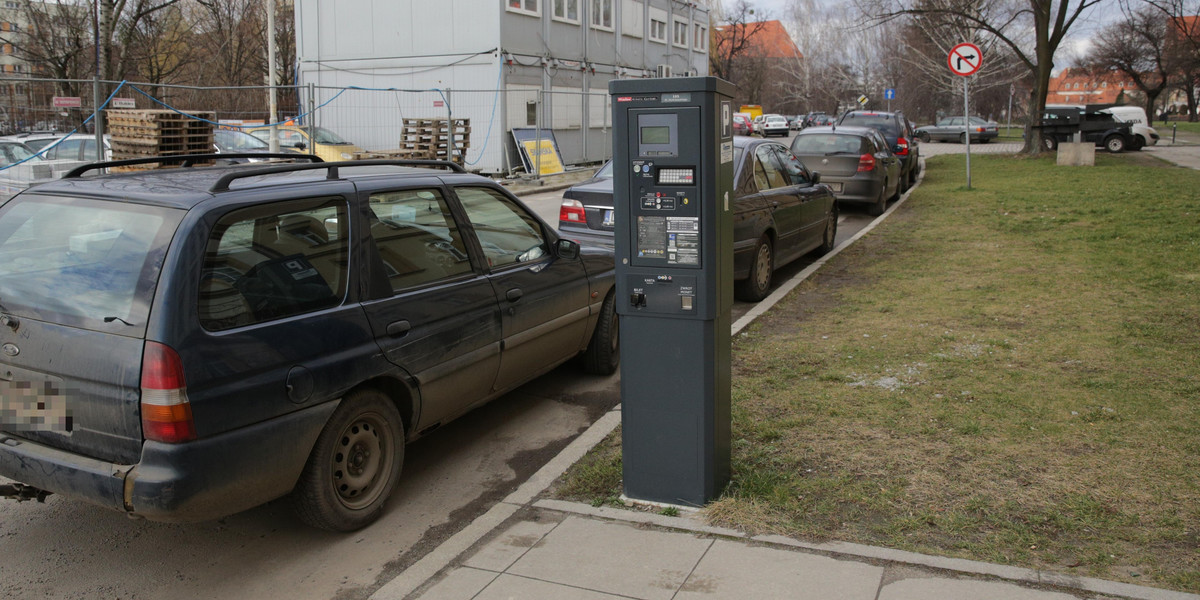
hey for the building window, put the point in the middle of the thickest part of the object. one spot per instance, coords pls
(658, 25)
(681, 34)
(12, 5)
(700, 38)
(633, 18)
(602, 14)
(527, 7)
(566, 10)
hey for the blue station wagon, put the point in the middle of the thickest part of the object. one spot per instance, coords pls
(183, 344)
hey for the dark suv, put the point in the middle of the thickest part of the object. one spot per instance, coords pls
(182, 344)
(898, 132)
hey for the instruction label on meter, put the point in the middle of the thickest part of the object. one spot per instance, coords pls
(683, 240)
(676, 239)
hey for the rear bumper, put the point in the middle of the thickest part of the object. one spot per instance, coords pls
(856, 190)
(201, 480)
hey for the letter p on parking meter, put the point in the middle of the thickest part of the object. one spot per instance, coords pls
(672, 193)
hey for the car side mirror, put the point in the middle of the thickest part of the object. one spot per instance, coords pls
(816, 177)
(300, 146)
(568, 249)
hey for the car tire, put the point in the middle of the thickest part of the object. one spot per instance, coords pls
(924, 137)
(1114, 144)
(880, 205)
(757, 285)
(914, 172)
(603, 353)
(901, 187)
(1049, 144)
(962, 138)
(829, 236)
(354, 466)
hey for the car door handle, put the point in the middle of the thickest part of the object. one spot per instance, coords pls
(399, 328)
(514, 294)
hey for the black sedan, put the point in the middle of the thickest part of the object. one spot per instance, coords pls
(855, 162)
(780, 213)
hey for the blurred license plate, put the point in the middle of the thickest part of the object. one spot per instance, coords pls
(836, 186)
(34, 406)
(608, 219)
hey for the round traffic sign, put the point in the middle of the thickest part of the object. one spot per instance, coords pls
(965, 59)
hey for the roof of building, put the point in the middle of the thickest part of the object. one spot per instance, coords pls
(1083, 86)
(768, 39)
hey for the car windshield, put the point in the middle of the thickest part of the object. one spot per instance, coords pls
(884, 123)
(80, 261)
(11, 153)
(978, 121)
(325, 136)
(826, 143)
(229, 140)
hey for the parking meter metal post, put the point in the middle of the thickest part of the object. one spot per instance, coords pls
(673, 179)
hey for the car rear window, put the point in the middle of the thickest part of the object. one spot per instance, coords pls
(884, 123)
(82, 262)
(827, 143)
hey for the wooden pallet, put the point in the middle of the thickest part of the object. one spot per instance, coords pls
(141, 133)
(398, 153)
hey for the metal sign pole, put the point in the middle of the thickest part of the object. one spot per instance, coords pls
(967, 128)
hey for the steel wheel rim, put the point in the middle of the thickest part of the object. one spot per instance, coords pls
(762, 275)
(361, 460)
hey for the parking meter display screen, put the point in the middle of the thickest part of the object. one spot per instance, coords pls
(658, 134)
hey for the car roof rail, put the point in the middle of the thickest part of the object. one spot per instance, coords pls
(184, 160)
(222, 184)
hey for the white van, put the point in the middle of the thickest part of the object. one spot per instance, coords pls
(1136, 117)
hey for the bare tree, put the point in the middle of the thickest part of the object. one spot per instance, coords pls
(1136, 46)
(117, 23)
(163, 49)
(1183, 44)
(57, 42)
(733, 40)
(1010, 22)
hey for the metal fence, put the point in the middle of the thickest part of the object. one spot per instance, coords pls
(372, 119)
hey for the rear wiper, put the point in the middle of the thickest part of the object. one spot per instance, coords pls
(111, 319)
(839, 152)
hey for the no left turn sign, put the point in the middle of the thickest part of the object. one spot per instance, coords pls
(965, 59)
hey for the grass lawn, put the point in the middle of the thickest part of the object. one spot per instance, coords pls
(1009, 374)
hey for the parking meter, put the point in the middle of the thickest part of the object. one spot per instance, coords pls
(672, 188)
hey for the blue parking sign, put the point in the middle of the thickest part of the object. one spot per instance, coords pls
(889, 94)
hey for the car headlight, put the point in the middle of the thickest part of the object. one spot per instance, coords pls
(347, 156)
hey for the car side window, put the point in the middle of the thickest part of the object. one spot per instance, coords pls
(417, 237)
(274, 261)
(768, 172)
(793, 166)
(68, 149)
(507, 233)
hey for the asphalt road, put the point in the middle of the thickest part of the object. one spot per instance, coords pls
(67, 549)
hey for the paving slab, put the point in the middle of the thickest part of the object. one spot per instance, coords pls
(964, 589)
(614, 558)
(735, 570)
(509, 587)
(515, 542)
(460, 583)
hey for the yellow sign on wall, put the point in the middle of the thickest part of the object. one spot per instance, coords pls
(550, 162)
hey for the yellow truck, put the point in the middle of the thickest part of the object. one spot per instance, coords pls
(754, 110)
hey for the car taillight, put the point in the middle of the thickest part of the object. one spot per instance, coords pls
(901, 147)
(166, 412)
(978, 130)
(572, 210)
(866, 163)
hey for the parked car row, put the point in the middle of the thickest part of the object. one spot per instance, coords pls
(780, 212)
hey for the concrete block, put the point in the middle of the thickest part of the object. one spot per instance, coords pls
(735, 570)
(964, 589)
(1077, 154)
